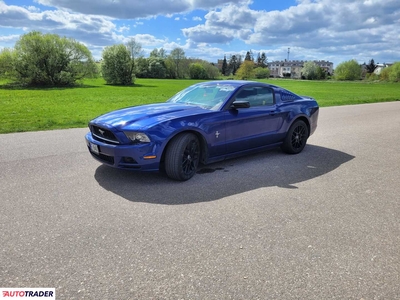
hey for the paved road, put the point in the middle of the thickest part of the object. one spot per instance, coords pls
(324, 224)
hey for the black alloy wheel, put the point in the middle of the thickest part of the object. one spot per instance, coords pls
(296, 138)
(182, 157)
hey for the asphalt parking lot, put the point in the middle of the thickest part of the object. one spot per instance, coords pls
(324, 224)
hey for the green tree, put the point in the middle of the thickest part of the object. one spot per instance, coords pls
(262, 60)
(135, 49)
(156, 68)
(371, 66)
(249, 56)
(224, 66)
(177, 55)
(142, 67)
(158, 53)
(50, 60)
(197, 71)
(246, 70)
(7, 57)
(234, 63)
(312, 71)
(117, 65)
(211, 70)
(394, 72)
(348, 70)
(261, 73)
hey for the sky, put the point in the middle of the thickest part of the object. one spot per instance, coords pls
(331, 30)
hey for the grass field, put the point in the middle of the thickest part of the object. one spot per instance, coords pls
(57, 108)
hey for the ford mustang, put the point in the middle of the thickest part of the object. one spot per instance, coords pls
(204, 123)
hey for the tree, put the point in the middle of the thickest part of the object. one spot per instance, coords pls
(135, 49)
(312, 71)
(234, 63)
(117, 65)
(197, 71)
(371, 66)
(158, 53)
(142, 67)
(7, 56)
(263, 60)
(246, 70)
(211, 70)
(249, 56)
(177, 55)
(348, 70)
(261, 73)
(49, 60)
(224, 66)
(394, 72)
(156, 68)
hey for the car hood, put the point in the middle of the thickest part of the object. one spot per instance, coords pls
(144, 116)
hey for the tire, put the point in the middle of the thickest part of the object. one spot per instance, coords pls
(182, 157)
(296, 138)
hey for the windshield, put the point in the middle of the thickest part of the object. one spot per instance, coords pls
(209, 96)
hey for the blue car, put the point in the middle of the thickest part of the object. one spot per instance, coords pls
(204, 123)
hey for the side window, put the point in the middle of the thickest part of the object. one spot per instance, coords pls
(265, 95)
(257, 96)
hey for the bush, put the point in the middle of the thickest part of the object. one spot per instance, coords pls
(117, 65)
(311, 71)
(246, 70)
(197, 71)
(371, 77)
(349, 70)
(156, 68)
(7, 57)
(261, 73)
(211, 70)
(384, 75)
(394, 72)
(49, 60)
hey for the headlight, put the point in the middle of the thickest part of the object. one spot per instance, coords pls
(137, 137)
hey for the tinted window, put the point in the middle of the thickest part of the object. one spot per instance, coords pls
(257, 96)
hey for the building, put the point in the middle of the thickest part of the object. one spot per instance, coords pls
(380, 67)
(292, 68)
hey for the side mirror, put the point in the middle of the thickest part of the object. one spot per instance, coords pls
(240, 104)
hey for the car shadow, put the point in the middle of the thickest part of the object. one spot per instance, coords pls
(223, 179)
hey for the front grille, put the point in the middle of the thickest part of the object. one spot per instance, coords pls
(103, 135)
(104, 158)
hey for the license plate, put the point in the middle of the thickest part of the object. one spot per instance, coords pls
(94, 148)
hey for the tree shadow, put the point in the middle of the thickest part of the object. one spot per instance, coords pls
(19, 87)
(227, 178)
(135, 85)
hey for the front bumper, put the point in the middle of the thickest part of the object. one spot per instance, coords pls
(141, 157)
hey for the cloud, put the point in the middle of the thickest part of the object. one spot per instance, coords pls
(323, 26)
(128, 9)
(91, 29)
(314, 29)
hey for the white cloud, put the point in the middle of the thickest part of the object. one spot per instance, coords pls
(127, 9)
(319, 27)
(314, 29)
(91, 29)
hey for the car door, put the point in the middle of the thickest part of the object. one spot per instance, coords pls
(256, 126)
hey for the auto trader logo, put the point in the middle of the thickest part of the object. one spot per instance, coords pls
(16, 293)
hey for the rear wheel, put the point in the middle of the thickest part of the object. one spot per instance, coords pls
(182, 157)
(296, 138)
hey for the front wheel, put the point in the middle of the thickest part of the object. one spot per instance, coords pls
(182, 157)
(296, 138)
